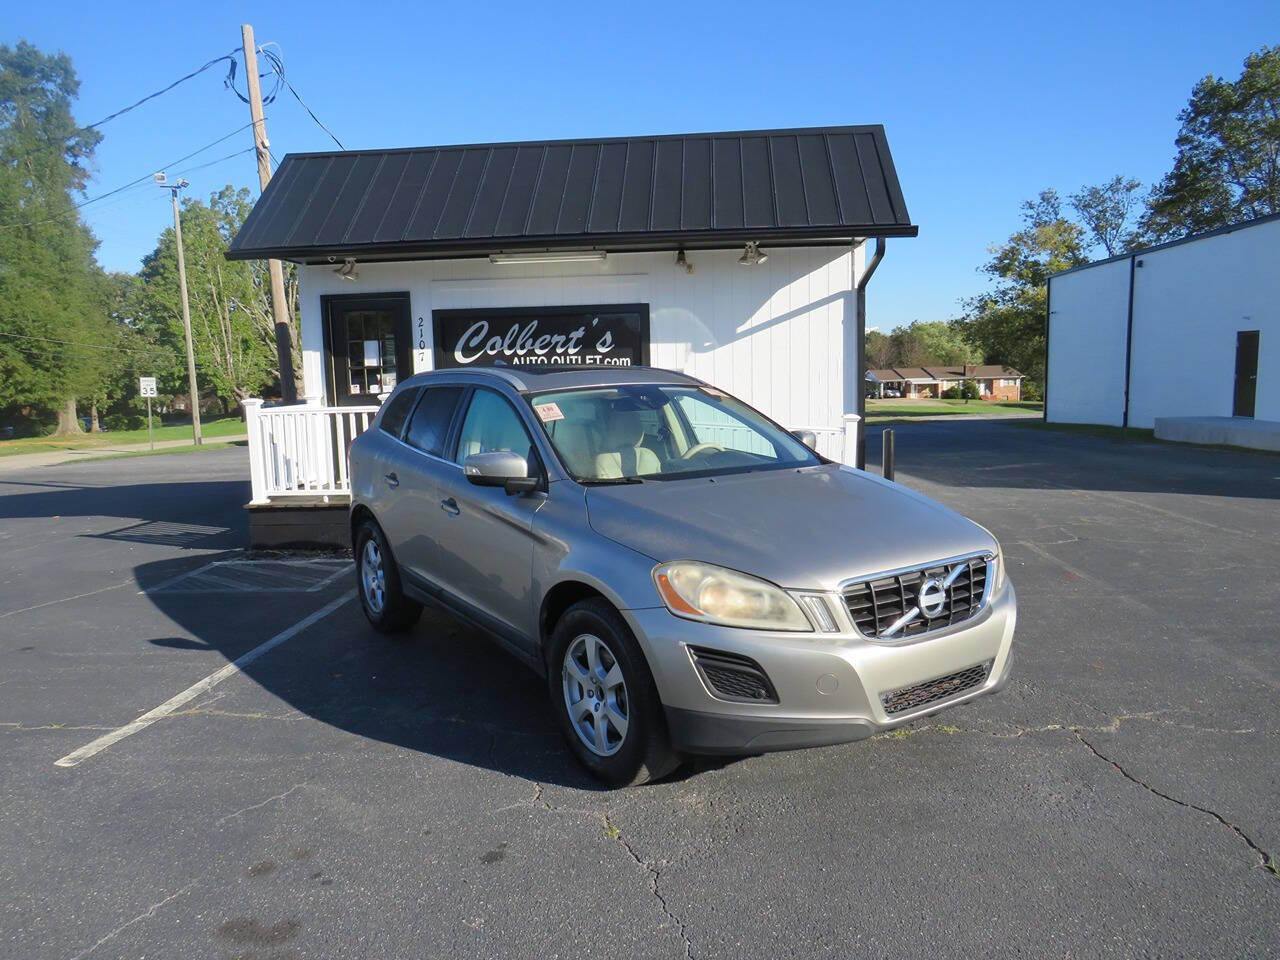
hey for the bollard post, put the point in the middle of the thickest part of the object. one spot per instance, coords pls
(886, 452)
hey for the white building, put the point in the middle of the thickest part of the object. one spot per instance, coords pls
(1183, 337)
(739, 258)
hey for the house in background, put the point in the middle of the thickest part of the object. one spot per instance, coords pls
(1183, 337)
(739, 258)
(994, 381)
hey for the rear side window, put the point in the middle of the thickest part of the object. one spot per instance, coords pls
(429, 427)
(397, 411)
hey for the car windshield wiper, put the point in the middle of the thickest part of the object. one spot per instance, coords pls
(601, 481)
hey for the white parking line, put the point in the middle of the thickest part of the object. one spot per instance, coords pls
(193, 691)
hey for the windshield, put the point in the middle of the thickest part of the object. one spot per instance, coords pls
(637, 433)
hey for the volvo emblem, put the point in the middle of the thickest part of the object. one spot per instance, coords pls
(932, 597)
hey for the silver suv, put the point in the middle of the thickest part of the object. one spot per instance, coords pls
(687, 575)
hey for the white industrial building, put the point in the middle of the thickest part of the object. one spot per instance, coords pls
(1183, 337)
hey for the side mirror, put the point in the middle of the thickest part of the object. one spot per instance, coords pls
(807, 437)
(500, 468)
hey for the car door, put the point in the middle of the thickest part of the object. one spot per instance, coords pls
(486, 548)
(414, 477)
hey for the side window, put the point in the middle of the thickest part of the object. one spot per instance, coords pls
(397, 411)
(429, 428)
(492, 424)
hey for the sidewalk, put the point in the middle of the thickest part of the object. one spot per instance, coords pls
(26, 461)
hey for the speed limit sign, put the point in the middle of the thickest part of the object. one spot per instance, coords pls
(147, 386)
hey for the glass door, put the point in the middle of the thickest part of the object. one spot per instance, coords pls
(367, 346)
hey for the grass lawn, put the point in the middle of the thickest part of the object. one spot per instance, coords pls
(902, 409)
(206, 446)
(231, 426)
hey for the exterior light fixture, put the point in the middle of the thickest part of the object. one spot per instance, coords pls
(752, 254)
(682, 261)
(553, 256)
(348, 269)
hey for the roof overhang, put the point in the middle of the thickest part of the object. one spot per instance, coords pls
(809, 187)
(613, 243)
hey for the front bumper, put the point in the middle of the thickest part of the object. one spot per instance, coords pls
(828, 685)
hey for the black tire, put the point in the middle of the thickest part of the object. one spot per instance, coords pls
(644, 753)
(397, 612)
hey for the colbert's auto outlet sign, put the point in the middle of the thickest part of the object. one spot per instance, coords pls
(609, 335)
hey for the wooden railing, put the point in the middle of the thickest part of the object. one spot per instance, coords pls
(301, 451)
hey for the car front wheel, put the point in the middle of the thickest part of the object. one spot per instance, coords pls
(605, 699)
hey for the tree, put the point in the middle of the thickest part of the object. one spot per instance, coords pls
(1105, 211)
(1227, 168)
(232, 326)
(924, 344)
(1007, 323)
(920, 344)
(881, 350)
(52, 299)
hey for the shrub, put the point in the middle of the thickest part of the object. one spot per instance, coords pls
(951, 393)
(123, 421)
(970, 390)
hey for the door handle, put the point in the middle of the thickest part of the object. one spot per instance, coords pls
(450, 507)
(392, 480)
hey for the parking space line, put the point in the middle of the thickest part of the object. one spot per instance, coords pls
(50, 603)
(193, 691)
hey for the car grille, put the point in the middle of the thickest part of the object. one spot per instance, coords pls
(875, 605)
(931, 691)
(733, 677)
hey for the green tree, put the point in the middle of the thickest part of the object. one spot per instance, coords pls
(1106, 212)
(232, 327)
(923, 344)
(1227, 168)
(53, 317)
(1007, 323)
(881, 350)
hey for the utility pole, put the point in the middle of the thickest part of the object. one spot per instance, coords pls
(284, 337)
(193, 390)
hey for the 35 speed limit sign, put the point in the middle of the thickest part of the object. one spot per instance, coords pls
(147, 386)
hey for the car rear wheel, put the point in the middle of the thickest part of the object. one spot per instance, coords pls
(605, 699)
(378, 580)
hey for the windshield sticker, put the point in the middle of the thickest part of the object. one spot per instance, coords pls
(713, 391)
(547, 412)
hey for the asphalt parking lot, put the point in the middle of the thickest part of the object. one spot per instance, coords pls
(348, 795)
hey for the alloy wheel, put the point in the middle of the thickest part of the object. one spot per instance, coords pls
(373, 578)
(595, 695)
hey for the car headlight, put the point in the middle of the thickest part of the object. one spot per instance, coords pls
(701, 591)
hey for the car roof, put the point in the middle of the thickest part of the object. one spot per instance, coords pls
(558, 377)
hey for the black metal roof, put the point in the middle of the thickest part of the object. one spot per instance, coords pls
(812, 185)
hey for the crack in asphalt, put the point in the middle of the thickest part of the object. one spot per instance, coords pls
(537, 801)
(145, 915)
(1266, 860)
(654, 876)
(254, 806)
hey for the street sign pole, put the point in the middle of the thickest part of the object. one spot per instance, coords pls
(147, 387)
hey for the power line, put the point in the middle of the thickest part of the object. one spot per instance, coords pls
(151, 96)
(131, 183)
(277, 65)
(201, 166)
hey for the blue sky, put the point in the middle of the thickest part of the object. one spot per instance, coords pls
(984, 105)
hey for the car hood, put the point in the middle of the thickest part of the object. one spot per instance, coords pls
(809, 528)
